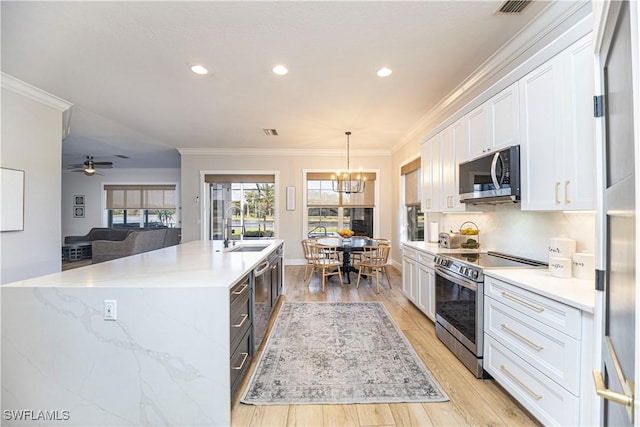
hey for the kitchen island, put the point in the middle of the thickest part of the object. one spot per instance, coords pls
(164, 360)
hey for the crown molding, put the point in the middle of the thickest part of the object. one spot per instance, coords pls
(299, 152)
(512, 52)
(32, 92)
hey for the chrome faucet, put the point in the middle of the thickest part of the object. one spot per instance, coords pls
(318, 227)
(229, 224)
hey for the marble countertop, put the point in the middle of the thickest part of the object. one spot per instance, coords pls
(578, 293)
(434, 249)
(202, 263)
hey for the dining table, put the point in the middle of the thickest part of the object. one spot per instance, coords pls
(347, 246)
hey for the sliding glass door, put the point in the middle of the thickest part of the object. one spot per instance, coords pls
(242, 210)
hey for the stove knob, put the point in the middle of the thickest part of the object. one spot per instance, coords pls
(463, 270)
(475, 274)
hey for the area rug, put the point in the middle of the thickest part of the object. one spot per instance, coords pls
(339, 353)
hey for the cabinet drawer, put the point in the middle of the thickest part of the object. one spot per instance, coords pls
(552, 313)
(546, 400)
(426, 259)
(241, 289)
(550, 351)
(240, 361)
(239, 319)
(409, 253)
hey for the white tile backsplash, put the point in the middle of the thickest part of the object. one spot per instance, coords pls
(506, 228)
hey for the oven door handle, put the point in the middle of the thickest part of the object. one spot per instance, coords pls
(456, 279)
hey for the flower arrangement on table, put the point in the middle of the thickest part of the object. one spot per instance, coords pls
(345, 233)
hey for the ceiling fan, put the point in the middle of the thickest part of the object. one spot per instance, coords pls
(89, 166)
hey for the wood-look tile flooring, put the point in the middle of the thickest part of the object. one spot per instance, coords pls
(473, 401)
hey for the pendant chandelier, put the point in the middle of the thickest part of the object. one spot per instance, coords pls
(348, 182)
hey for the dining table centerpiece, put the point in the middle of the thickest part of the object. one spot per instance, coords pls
(346, 233)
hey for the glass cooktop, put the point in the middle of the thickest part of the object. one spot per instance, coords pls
(494, 260)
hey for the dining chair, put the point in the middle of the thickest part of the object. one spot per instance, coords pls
(374, 259)
(356, 256)
(382, 241)
(306, 249)
(325, 259)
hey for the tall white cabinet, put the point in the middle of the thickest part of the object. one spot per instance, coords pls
(431, 174)
(494, 124)
(453, 152)
(558, 147)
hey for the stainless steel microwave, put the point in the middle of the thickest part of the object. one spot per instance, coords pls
(494, 178)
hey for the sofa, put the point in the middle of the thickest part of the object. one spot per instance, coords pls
(136, 242)
(99, 233)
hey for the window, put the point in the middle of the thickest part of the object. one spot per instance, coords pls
(329, 211)
(411, 173)
(135, 206)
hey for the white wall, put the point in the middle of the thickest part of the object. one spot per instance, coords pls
(91, 187)
(31, 141)
(290, 167)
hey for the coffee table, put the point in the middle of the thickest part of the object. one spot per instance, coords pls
(76, 251)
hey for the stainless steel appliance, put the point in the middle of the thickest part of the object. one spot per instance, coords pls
(459, 301)
(449, 240)
(493, 178)
(267, 287)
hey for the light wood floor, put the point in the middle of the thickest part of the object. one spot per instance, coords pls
(473, 401)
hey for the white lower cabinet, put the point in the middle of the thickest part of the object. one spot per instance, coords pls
(547, 401)
(418, 280)
(538, 349)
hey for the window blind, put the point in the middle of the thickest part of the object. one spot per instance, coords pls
(412, 182)
(320, 192)
(141, 196)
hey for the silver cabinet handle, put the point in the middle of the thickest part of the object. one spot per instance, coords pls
(237, 368)
(522, 338)
(566, 192)
(523, 302)
(557, 186)
(533, 394)
(241, 290)
(244, 318)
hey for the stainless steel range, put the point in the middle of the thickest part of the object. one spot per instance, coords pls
(459, 301)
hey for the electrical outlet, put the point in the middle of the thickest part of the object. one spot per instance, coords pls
(110, 309)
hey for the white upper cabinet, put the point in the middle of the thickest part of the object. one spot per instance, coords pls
(431, 174)
(494, 124)
(556, 125)
(454, 151)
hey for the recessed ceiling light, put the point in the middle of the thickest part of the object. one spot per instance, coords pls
(280, 70)
(199, 69)
(384, 72)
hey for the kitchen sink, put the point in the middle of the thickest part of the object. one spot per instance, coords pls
(247, 248)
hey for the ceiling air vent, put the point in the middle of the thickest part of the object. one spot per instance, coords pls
(513, 7)
(270, 132)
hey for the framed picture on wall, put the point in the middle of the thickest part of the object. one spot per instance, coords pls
(78, 200)
(78, 212)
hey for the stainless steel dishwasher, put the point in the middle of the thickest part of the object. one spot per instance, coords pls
(267, 287)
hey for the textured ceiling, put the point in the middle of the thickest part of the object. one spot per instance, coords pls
(125, 67)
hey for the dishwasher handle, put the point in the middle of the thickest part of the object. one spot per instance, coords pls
(262, 269)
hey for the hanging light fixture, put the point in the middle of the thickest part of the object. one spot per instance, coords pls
(348, 182)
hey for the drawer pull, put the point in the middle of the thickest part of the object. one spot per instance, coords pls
(520, 383)
(241, 290)
(523, 302)
(244, 359)
(523, 339)
(244, 318)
